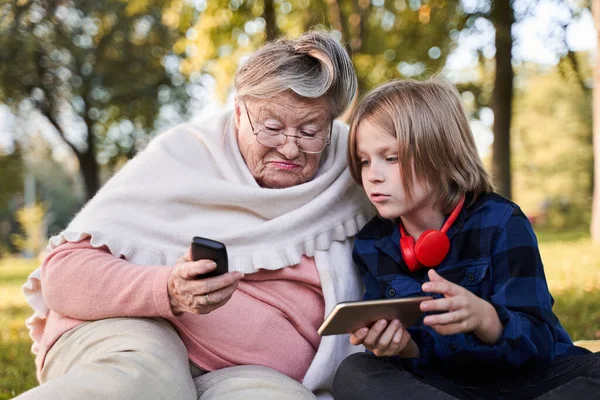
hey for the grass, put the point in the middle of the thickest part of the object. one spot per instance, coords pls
(571, 261)
(17, 371)
(573, 272)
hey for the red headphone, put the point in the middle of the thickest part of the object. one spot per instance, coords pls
(432, 246)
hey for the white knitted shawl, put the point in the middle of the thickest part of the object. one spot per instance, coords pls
(192, 181)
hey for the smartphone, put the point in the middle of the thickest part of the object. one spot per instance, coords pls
(208, 249)
(348, 317)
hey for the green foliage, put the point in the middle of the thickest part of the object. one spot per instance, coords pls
(101, 64)
(11, 189)
(11, 177)
(551, 148)
(572, 267)
(32, 239)
(394, 39)
(18, 370)
(58, 186)
(575, 307)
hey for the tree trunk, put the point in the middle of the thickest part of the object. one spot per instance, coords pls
(270, 21)
(88, 168)
(503, 17)
(595, 224)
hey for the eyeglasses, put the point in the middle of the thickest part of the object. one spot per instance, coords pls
(277, 137)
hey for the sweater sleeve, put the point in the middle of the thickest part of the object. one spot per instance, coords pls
(87, 283)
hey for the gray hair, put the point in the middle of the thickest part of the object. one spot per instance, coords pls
(311, 66)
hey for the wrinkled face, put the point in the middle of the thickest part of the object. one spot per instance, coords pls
(286, 165)
(378, 154)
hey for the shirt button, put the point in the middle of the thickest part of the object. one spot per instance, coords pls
(452, 347)
(391, 292)
(471, 276)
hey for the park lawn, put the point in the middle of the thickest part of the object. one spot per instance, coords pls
(572, 265)
(17, 370)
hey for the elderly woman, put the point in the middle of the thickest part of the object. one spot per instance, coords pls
(124, 315)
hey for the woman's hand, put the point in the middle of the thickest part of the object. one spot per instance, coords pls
(466, 311)
(385, 339)
(189, 294)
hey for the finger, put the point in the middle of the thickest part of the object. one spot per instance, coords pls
(208, 285)
(203, 303)
(388, 334)
(453, 317)
(453, 303)
(442, 304)
(187, 257)
(443, 287)
(357, 337)
(191, 270)
(398, 343)
(434, 276)
(373, 336)
(217, 296)
(200, 287)
(201, 306)
(397, 339)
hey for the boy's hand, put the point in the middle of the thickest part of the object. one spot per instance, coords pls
(466, 311)
(385, 339)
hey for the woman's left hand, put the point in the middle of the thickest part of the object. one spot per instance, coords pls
(466, 312)
(197, 295)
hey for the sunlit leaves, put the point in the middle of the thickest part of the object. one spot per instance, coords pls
(382, 36)
(75, 62)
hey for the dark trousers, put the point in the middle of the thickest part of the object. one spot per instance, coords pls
(365, 376)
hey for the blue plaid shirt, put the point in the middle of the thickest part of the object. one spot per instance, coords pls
(494, 254)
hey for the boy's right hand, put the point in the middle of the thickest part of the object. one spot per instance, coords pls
(386, 340)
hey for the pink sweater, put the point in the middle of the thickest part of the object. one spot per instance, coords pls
(271, 319)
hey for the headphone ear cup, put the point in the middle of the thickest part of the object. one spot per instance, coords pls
(431, 248)
(407, 246)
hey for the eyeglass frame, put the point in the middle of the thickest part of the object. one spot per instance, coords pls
(255, 132)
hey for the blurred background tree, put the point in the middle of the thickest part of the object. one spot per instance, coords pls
(386, 39)
(595, 224)
(94, 70)
(11, 188)
(552, 133)
(31, 240)
(107, 76)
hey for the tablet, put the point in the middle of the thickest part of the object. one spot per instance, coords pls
(347, 317)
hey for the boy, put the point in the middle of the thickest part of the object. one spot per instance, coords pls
(489, 332)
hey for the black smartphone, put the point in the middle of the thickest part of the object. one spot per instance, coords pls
(207, 249)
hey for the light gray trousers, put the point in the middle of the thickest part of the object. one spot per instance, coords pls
(144, 358)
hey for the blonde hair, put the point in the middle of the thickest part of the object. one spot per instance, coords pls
(433, 134)
(311, 66)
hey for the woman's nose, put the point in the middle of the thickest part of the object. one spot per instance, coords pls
(290, 148)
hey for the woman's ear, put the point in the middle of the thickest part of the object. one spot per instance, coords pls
(238, 112)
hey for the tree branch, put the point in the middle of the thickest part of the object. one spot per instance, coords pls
(47, 108)
(577, 70)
